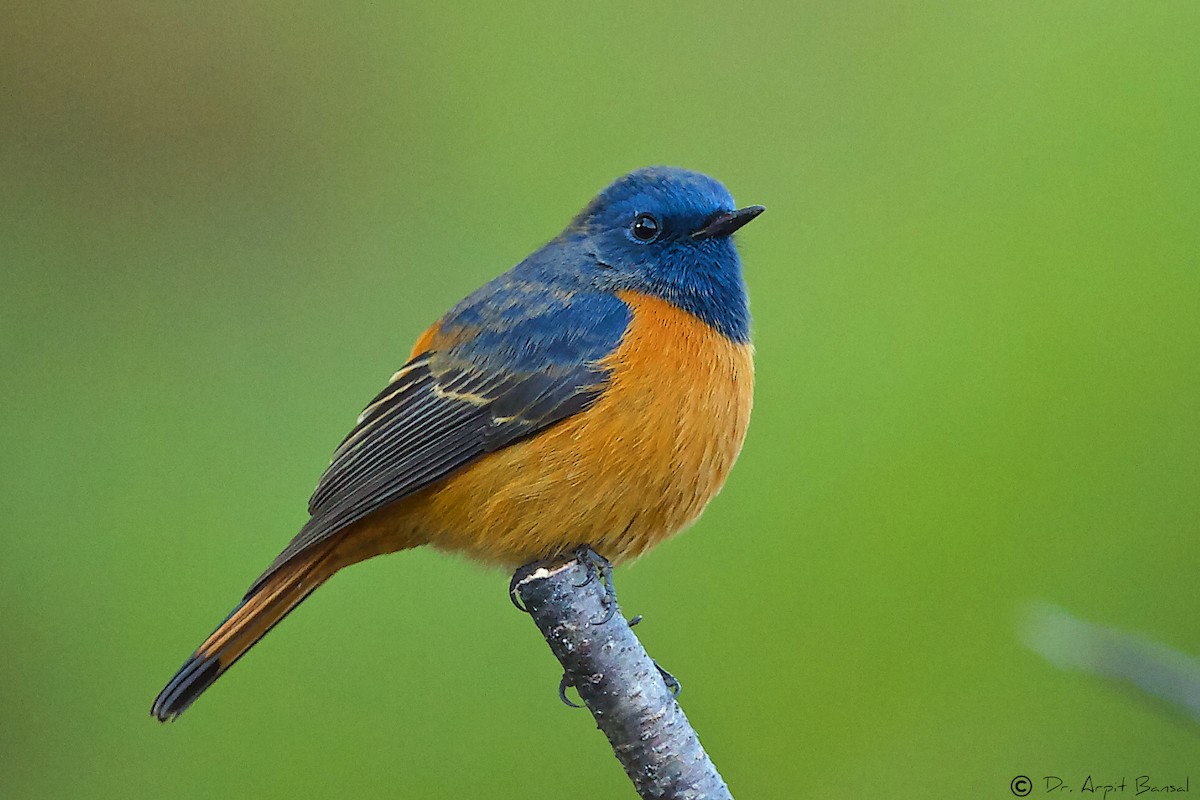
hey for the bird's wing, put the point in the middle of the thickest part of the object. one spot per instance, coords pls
(495, 371)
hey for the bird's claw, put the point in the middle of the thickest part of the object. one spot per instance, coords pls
(597, 566)
(514, 585)
(562, 691)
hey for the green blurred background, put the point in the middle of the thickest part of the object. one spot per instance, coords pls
(976, 299)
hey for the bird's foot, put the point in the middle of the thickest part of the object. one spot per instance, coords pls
(598, 567)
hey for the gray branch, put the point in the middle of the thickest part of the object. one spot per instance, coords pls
(1155, 669)
(620, 685)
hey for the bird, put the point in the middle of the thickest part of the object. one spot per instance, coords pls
(596, 394)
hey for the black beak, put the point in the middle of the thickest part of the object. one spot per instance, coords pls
(726, 223)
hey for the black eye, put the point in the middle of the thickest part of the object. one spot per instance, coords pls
(646, 228)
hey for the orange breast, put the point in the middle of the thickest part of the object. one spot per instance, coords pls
(636, 467)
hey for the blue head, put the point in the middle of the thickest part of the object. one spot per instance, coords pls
(665, 232)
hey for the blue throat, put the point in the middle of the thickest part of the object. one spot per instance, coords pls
(719, 300)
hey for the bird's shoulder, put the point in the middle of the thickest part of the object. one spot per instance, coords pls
(528, 322)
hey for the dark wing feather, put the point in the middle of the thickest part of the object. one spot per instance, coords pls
(445, 409)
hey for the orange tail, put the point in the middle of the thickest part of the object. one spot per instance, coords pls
(258, 613)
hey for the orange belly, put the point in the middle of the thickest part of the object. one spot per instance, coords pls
(633, 469)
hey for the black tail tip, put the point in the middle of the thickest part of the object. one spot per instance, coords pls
(189, 683)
